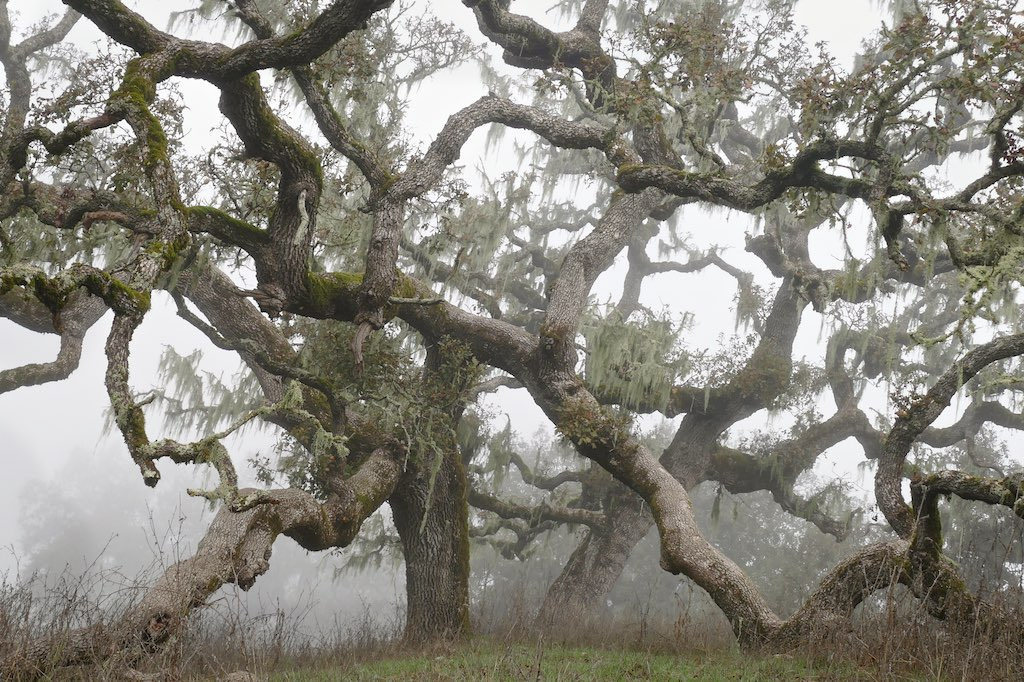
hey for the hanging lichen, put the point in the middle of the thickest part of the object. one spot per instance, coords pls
(634, 364)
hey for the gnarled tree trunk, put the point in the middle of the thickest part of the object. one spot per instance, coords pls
(600, 558)
(595, 566)
(431, 518)
(597, 563)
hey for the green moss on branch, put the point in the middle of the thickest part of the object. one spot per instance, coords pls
(330, 292)
(224, 226)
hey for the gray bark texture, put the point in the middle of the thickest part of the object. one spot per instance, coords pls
(431, 519)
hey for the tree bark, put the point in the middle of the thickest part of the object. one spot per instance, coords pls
(595, 566)
(431, 518)
(598, 561)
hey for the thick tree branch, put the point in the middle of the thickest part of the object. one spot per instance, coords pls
(71, 323)
(533, 514)
(1007, 491)
(911, 423)
(215, 61)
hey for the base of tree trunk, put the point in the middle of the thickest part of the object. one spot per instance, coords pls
(433, 527)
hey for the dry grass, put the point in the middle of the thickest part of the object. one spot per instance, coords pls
(891, 637)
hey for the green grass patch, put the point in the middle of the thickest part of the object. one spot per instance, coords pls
(483, 660)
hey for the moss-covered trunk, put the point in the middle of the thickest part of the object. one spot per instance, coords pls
(432, 523)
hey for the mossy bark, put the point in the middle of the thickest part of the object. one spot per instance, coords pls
(431, 519)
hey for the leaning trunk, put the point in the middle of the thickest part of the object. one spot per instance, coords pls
(597, 563)
(431, 518)
(236, 549)
(594, 568)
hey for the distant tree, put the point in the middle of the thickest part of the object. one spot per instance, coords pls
(390, 292)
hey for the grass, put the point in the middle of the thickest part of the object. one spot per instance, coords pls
(482, 659)
(890, 639)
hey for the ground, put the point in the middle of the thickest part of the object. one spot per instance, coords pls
(484, 659)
